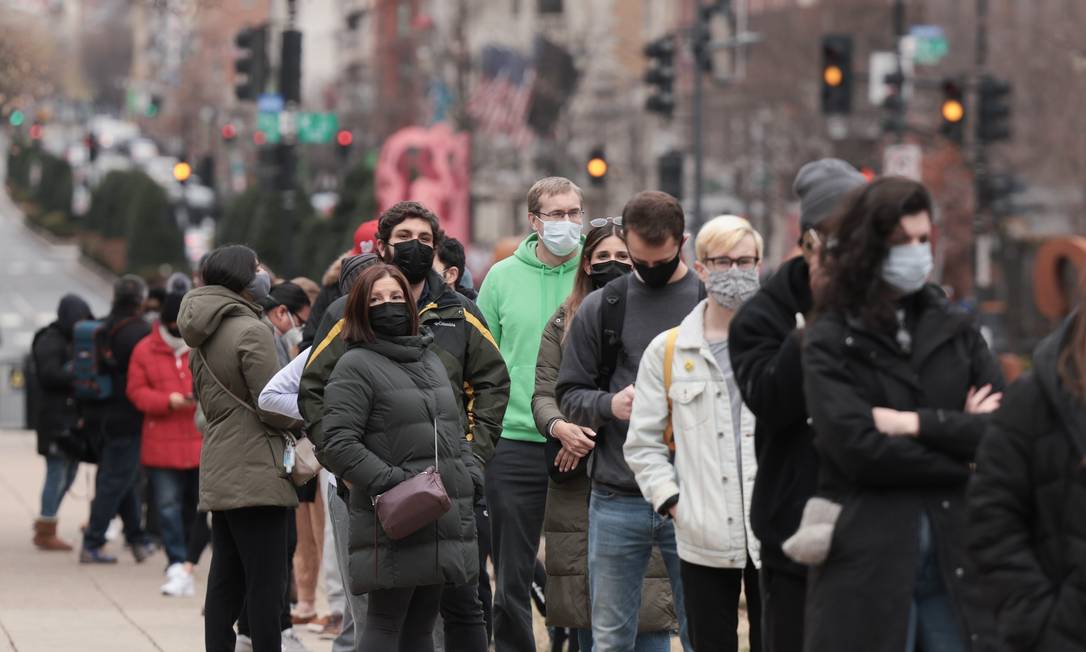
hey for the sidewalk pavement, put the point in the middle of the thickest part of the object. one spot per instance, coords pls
(51, 603)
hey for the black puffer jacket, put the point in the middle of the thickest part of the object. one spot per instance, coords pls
(765, 347)
(380, 407)
(1027, 510)
(52, 355)
(859, 598)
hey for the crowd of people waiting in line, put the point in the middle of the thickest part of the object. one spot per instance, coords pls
(834, 449)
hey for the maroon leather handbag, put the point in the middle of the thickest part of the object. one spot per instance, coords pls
(414, 503)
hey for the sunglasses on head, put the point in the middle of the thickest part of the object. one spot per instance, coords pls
(604, 221)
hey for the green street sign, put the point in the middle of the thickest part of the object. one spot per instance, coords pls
(268, 123)
(317, 128)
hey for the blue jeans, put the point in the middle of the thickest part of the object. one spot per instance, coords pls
(621, 533)
(932, 621)
(116, 492)
(175, 495)
(60, 472)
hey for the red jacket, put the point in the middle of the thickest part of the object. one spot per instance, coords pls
(170, 437)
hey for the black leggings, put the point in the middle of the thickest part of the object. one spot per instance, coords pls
(249, 549)
(199, 538)
(401, 620)
(285, 620)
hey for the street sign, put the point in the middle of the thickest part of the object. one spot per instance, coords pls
(930, 44)
(269, 103)
(902, 161)
(268, 124)
(317, 128)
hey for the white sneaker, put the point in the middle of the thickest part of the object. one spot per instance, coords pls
(243, 644)
(291, 642)
(179, 584)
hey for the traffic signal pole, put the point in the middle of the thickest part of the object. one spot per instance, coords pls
(290, 85)
(701, 37)
(981, 255)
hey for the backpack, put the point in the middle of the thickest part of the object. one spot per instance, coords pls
(611, 319)
(94, 365)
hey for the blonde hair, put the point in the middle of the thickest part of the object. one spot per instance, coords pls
(722, 233)
(547, 187)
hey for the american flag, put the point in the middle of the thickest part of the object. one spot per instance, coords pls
(500, 100)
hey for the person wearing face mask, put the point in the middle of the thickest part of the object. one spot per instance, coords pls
(116, 482)
(287, 308)
(406, 235)
(518, 296)
(899, 387)
(565, 524)
(389, 411)
(765, 343)
(691, 444)
(243, 482)
(595, 389)
(160, 386)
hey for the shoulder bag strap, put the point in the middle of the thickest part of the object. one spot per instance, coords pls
(669, 360)
(218, 382)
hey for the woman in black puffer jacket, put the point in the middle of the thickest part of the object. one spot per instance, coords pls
(384, 400)
(1027, 501)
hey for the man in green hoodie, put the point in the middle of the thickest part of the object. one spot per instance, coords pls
(517, 298)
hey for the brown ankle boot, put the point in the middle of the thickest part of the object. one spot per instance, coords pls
(45, 536)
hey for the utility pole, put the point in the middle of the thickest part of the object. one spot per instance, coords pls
(899, 74)
(981, 240)
(701, 54)
(290, 87)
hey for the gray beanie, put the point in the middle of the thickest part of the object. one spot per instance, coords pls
(820, 186)
(351, 268)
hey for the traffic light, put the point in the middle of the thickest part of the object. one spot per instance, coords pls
(35, 131)
(154, 106)
(953, 110)
(229, 132)
(993, 110)
(344, 140)
(252, 65)
(182, 171)
(836, 74)
(661, 75)
(290, 70)
(597, 166)
(17, 118)
(669, 169)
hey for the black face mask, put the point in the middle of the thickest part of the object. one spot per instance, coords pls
(414, 258)
(658, 276)
(607, 271)
(390, 319)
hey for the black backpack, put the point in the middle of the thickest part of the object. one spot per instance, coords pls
(612, 316)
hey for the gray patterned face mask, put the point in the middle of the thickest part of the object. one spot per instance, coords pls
(731, 288)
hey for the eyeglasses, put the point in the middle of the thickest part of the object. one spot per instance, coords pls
(573, 215)
(726, 262)
(604, 221)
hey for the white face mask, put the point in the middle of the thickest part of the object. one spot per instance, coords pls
(561, 237)
(907, 267)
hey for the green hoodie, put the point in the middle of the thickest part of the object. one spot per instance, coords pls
(517, 298)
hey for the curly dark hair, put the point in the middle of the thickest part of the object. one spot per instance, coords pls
(857, 247)
(404, 210)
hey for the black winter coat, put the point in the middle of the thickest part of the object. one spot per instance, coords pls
(380, 406)
(765, 347)
(57, 411)
(1027, 508)
(859, 598)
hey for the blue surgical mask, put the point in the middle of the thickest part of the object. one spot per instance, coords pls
(561, 237)
(907, 267)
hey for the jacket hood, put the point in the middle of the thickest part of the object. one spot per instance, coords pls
(525, 253)
(790, 286)
(204, 309)
(1070, 408)
(71, 309)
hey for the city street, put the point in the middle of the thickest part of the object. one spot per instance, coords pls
(49, 602)
(34, 274)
